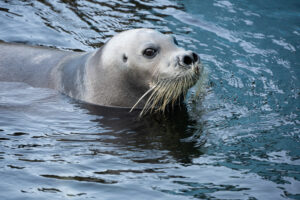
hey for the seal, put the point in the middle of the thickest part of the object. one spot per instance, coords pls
(139, 68)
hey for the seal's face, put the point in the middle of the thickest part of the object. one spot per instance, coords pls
(155, 61)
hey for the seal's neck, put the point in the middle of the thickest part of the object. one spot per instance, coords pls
(68, 76)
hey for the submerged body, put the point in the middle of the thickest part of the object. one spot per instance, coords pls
(129, 70)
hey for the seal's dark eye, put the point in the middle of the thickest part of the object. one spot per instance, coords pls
(150, 52)
(175, 41)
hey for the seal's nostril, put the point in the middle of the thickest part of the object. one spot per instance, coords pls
(187, 60)
(195, 57)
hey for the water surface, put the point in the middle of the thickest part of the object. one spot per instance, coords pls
(241, 141)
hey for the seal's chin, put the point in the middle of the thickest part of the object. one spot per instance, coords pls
(168, 90)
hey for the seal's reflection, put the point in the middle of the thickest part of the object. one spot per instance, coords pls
(159, 132)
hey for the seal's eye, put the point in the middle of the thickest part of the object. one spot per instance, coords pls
(150, 52)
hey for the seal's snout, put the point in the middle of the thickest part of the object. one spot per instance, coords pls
(188, 59)
(195, 57)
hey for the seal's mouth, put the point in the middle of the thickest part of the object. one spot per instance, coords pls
(167, 91)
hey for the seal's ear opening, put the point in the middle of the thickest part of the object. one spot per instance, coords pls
(125, 58)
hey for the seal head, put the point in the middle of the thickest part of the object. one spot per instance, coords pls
(155, 62)
(141, 68)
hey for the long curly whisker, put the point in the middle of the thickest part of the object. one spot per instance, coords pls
(165, 91)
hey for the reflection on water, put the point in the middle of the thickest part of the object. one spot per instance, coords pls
(76, 24)
(240, 142)
(47, 134)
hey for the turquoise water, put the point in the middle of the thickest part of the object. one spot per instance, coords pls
(240, 141)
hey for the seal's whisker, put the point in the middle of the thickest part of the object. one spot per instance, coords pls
(167, 91)
(142, 97)
(147, 104)
(170, 93)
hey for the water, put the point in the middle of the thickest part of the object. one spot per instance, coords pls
(241, 141)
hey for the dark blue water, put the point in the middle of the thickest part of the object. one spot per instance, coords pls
(239, 141)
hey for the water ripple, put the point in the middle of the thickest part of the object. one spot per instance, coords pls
(238, 141)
